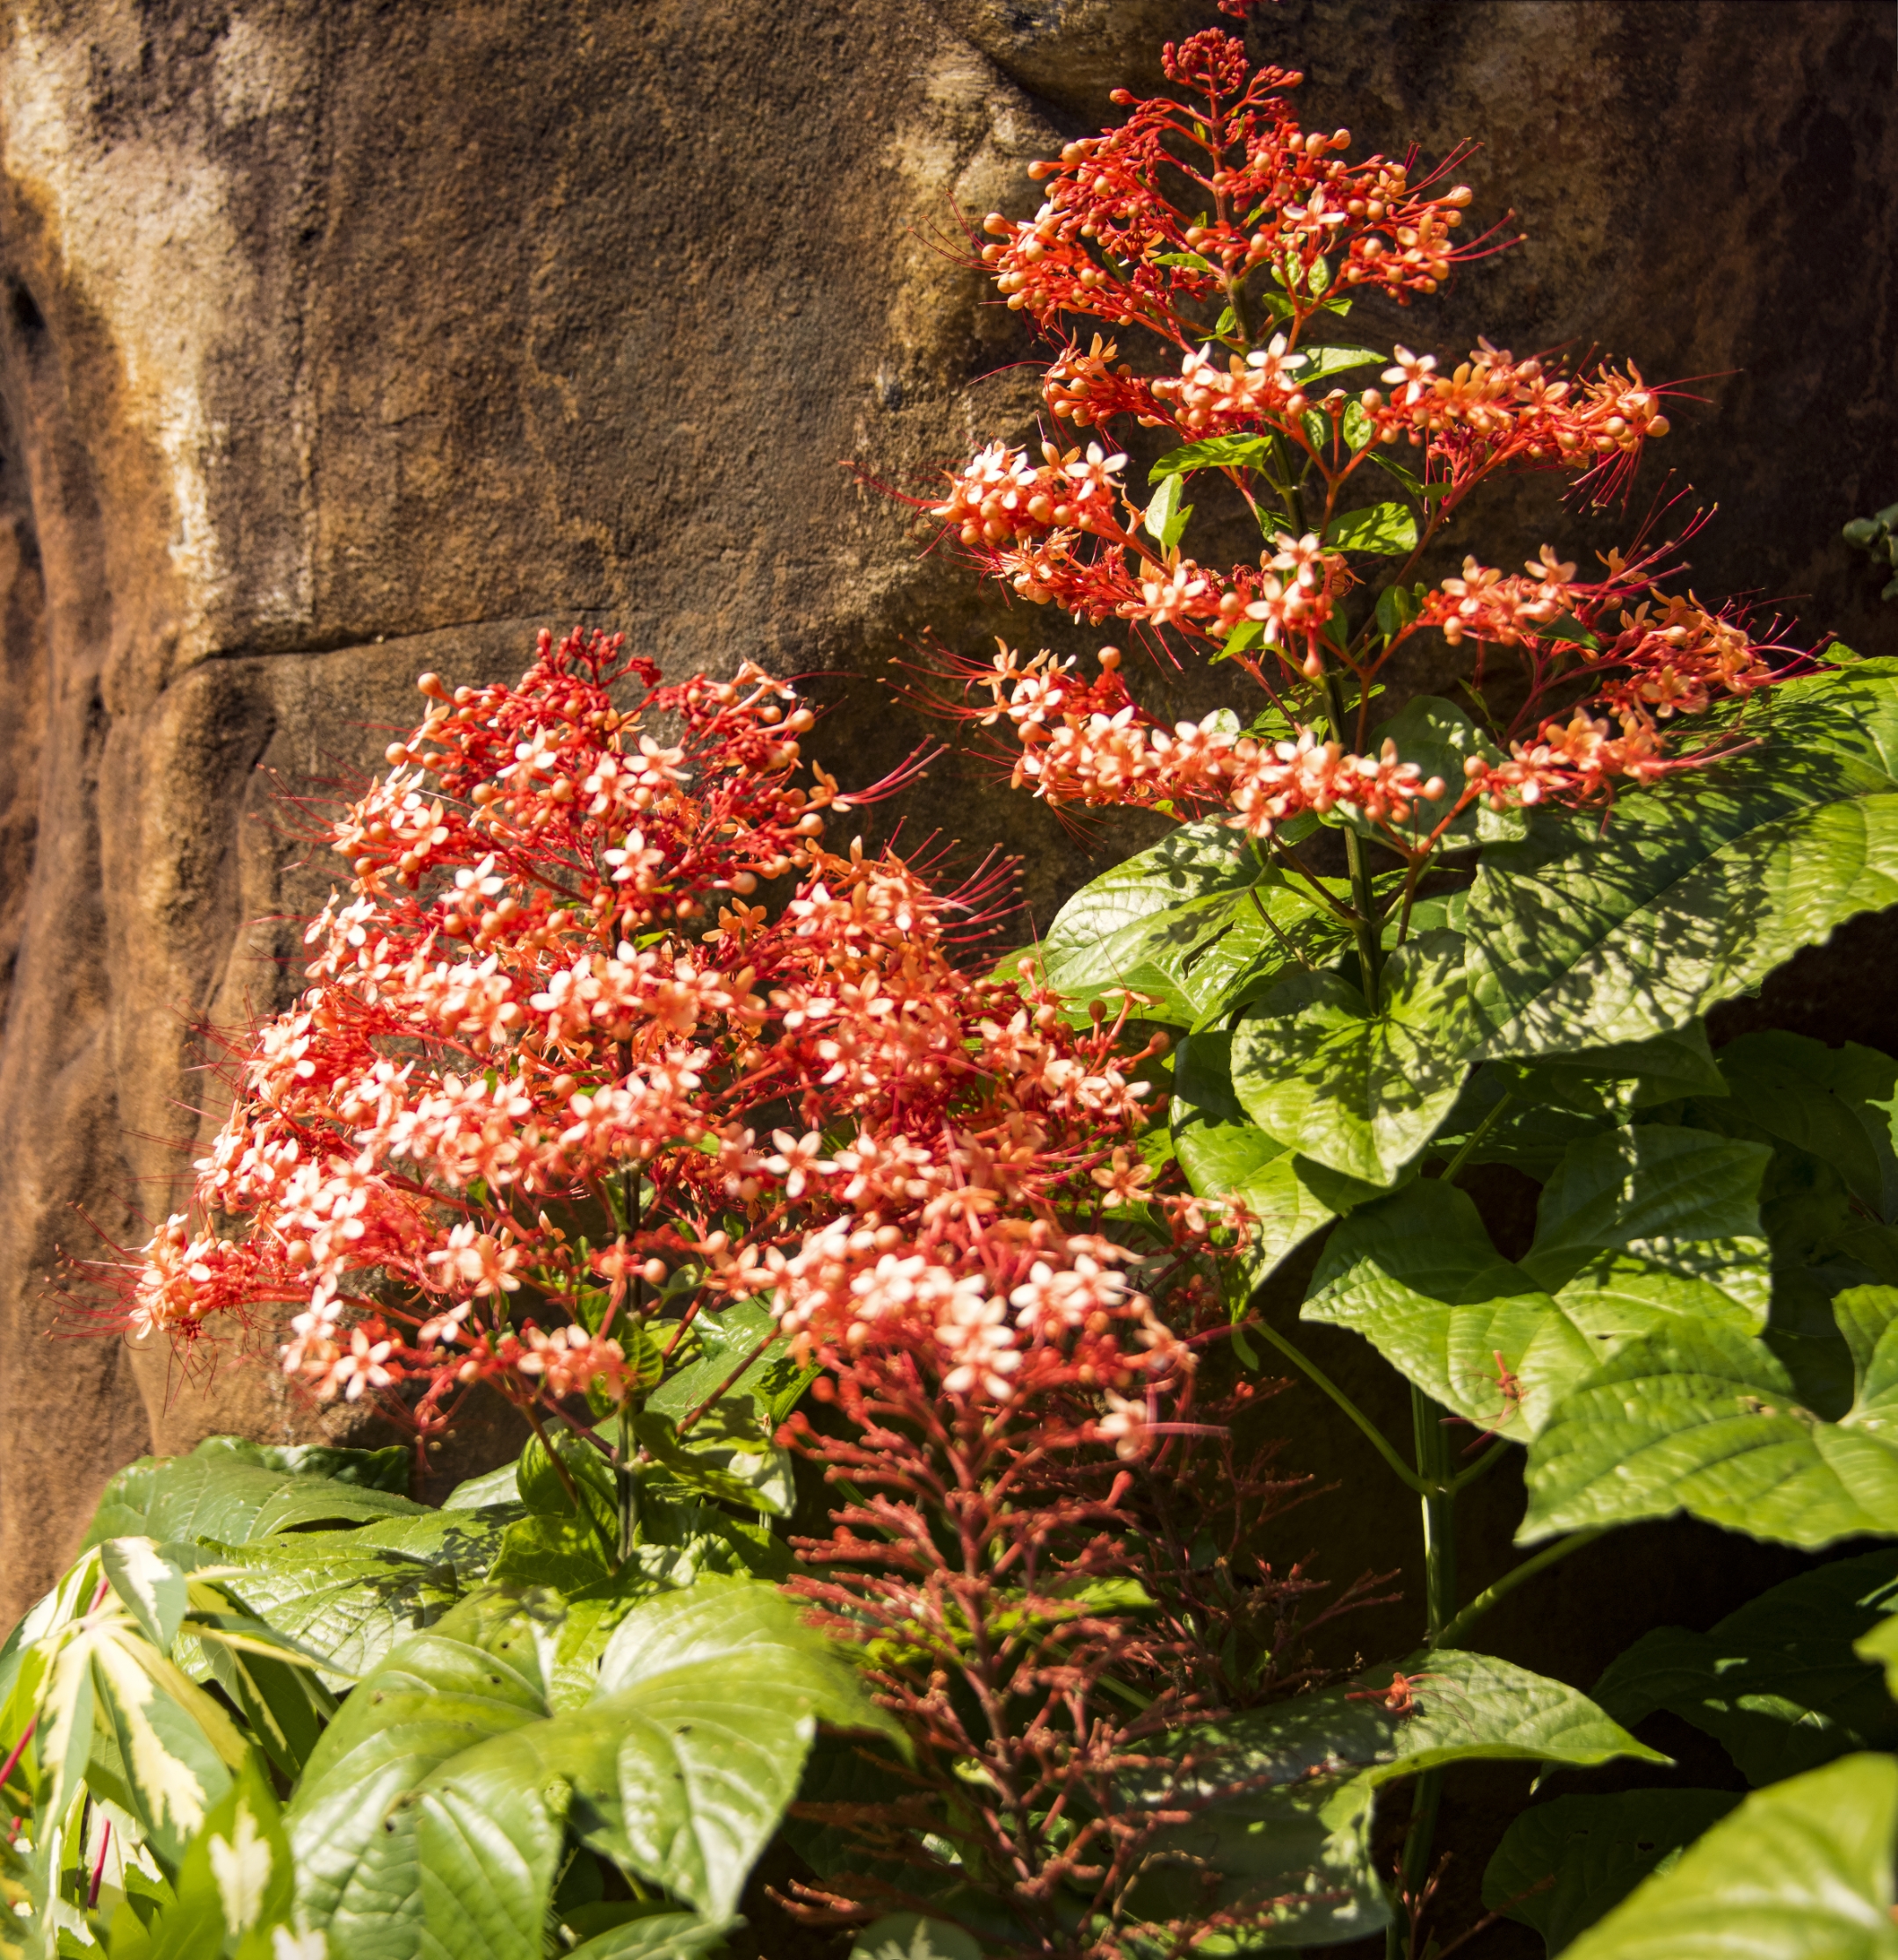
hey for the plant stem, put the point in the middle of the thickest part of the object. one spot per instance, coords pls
(1474, 1137)
(1461, 1623)
(1438, 1491)
(1436, 1485)
(1378, 1438)
(1367, 927)
(625, 1479)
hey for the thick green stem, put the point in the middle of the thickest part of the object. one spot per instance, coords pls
(1437, 1482)
(1550, 1554)
(1439, 1612)
(1367, 929)
(1323, 1381)
(625, 1478)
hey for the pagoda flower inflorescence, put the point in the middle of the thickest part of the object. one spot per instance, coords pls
(1208, 219)
(557, 1085)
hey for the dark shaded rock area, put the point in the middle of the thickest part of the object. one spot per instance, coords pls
(338, 340)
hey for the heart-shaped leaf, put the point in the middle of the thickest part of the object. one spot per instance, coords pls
(1778, 1684)
(1804, 1868)
(1359, 1092)
(1699, 1418)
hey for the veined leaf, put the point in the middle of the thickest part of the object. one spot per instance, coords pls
(1180, 924)
(477, 1673)
(1439, 738)
(655, 1936)
(1835, 1103)
(1804, 1868)
(221, 1494)
(1636, 1227)
(1214, 453)
(432, 1816)
(350, 1596)
(392, 1468)
(1562, 1864)
(1358, 1092)
(1778, 1684)
(1225, 1155)
(234, 1882)
(1582, 934)
(1387, 529)
(1286, 1794)
(1699, 1417)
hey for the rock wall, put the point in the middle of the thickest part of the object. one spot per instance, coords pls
(338, 340)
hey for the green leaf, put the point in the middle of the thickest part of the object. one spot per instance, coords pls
(1225, 1156)
(1609, 1084)
(1562, 1864)
(561, 1554)
(1654, 1221)
(656, 1936)
(1215, 453)
(350, 1596)
(495, 1486)
(1439, 738)
(1697, 890)
(1286, 1794)
(1387, 529)
(234, 1882)
(477, 1673)
(1777, 1684)
(1415, 1275)
(1164, 518)
(1835, 1103)
(222, 1494)
(910, 1936)
(1804, 1868)
(727, 1454)
(1699, 1417)
(1336, 361)
(1186, 925)
(153, 1589)
(1360, 1092)
(392, 1468)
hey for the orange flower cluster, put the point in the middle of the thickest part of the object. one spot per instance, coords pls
(535, 1097)
(1107, 242)
(1286, 226)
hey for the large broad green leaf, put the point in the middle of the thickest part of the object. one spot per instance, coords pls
(1286, 1794)
(392, 1468)
(1801, 1871)
(1189, 924)
(225, 1494)
(1226, 1154)
(350, 1596)
(1779, 1683)
(1697, 890)
(655, 1936)
(1416, 1275)
(1636, 1227)
(432, 1815)
(234, 1882)
(1562, 1864)
(1834, 1103)
(477, 1673)
(1360, 1093)
(1655, 1221)
(1699, 1417)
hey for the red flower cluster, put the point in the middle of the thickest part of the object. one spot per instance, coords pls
(533, 1095)
(1107, 242)
(1288, 228)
